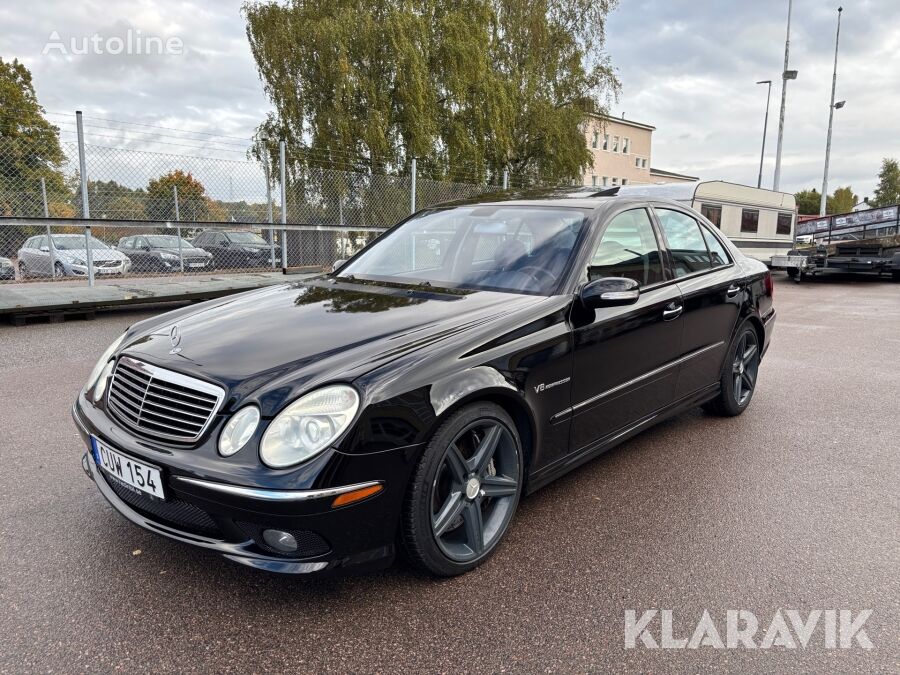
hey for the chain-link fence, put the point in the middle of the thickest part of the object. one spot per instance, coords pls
(79, 205)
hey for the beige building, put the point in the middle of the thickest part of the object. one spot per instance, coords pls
(621, 150)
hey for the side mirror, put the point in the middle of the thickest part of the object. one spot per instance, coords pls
(338, 264)
(610, 292)
(146, 247)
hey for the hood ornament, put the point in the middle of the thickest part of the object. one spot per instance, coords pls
(175, 339)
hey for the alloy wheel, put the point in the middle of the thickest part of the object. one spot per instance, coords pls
(475, 489)
(745, 367)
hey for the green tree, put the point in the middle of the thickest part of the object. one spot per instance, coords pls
(808, 202)
(193, 204)
(888, 190)
(29, 146)
(470, 87)
(116, 202)
(842, 200)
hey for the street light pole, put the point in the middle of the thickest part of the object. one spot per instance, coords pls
(831, 108)
(762, 153)
(784, 78)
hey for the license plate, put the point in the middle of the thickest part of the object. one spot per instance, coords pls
(196, 264)
(107, 270)
(138, 475)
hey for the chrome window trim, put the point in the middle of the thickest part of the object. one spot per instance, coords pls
(172, 377)
(276, 495)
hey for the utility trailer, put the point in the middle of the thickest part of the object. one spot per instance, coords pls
(879, 256)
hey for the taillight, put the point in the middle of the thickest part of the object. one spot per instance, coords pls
(770, 286)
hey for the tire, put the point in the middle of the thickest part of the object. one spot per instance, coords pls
(464, 491)
(59, 270)
(895, 275)
(739, 374)
(792, 272)
(23, 270)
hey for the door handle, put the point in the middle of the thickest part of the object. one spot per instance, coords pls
(732, 291)
(672, 312)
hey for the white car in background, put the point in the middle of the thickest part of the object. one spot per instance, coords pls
(65, 255)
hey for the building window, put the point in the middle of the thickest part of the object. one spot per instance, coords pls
(637, 162)
(712, 213)
(594, 181)
(596, 139)
(615, 181)
(606, 141)
(624, 181)
(749, 220)
(784, 223)
(643, 163)
(605, 181)
(625, 143)
(615, 147)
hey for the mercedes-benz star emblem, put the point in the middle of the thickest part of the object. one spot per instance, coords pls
(175, 338)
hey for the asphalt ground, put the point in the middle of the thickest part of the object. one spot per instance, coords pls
(793, 505)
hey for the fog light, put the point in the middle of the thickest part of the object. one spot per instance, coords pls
(281, 541)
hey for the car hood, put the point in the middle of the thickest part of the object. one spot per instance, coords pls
(186, 251)
(97, 254)
(276, 341)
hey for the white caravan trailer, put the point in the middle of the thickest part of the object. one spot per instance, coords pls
(760, 222)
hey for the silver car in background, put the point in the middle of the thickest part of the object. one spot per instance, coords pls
(65, 255)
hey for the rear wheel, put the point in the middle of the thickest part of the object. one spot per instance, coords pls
(59, 270)
(464, 492)
(738, 375)
(23, 270)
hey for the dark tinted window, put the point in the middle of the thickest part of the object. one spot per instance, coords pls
(749, 220)
(712, 213)
(784, 223)
(685, 242)
(628, 249)
(716, 250)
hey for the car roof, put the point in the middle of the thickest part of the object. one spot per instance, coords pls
(575, 197)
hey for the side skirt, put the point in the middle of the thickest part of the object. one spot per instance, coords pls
(565, 464)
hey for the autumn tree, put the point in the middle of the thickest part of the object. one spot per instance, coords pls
(842, 200)
(888, 190)
(470, 87)
(29, 146)
(193, 203)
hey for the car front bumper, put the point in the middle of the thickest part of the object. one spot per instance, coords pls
(229, 519)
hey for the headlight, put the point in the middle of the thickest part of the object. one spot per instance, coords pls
(79, 261)
(100, 387)
(252, 251)
(101, 364)
(238, 430)
(308, 425)
(168, 256)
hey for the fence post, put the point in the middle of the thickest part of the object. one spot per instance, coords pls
(505, 179)
(281, 163)
(412, 204)
(49, 234)
(265, 160)
(85, 201)
(178, 227)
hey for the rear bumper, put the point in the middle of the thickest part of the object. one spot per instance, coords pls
(229, 519)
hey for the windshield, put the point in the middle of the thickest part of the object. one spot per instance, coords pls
(75, 242)
(246, 238)
(522, 249)
(166, 241)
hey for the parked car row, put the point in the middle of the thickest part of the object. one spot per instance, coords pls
(65, 255)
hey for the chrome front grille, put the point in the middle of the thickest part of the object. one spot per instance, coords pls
(160, 403)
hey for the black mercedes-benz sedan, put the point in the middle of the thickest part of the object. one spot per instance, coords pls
(409, 399)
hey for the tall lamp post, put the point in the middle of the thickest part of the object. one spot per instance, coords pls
(785, 76)
(831, 108)
(762, 153)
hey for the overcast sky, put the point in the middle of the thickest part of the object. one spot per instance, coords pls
(688, 67)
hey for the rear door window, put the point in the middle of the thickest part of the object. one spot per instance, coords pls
(685, 240)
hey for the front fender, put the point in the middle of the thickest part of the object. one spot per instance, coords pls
(447, 392)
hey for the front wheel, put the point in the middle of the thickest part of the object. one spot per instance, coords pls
(739, 374)
(464, 491)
